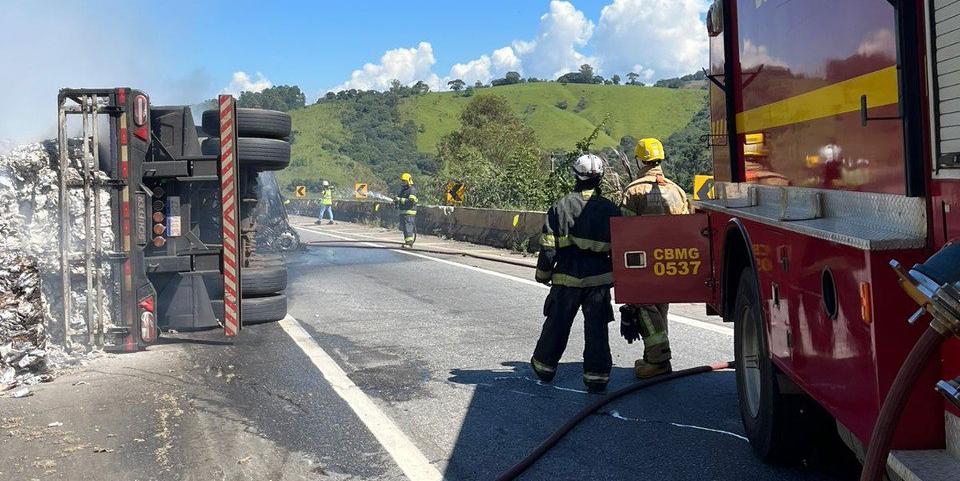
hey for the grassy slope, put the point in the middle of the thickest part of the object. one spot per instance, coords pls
(318, 136)
(637, 111)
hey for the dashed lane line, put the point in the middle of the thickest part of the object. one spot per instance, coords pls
(707, 326)
(408, 457)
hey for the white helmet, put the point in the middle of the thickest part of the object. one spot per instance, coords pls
(588, 166)
(326, 184)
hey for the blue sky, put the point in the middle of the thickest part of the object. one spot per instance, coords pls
(186, 51)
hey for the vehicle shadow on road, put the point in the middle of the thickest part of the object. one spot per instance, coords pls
(209, 337)
(687, 429)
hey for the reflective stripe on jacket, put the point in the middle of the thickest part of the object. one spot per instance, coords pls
(327, 197)
(407, 200)
(575, 243)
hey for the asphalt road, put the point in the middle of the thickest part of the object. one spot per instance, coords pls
(431, 351)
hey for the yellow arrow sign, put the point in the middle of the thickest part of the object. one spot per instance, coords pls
(703, 187)
(455, 192)
(360, 190)
(300, 191)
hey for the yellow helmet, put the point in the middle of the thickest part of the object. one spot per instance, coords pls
(406, 177)
(649, 150)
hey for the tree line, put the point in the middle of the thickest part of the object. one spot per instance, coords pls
(585, 75)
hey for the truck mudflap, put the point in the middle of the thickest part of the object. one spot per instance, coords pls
(662, 259)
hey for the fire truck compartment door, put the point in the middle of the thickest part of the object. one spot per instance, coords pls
(662, 258)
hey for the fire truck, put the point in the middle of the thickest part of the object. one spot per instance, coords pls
(168, 215)
(835, 139)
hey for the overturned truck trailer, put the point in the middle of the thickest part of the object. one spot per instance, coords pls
(181, 213)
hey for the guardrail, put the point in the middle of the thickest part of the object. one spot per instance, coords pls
(509, 229)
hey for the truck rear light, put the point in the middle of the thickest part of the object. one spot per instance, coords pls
(147, 304)
(121, 96)
(159, 241)
(140, 110)
(148, 326)
(158, 205)
(866, 303)
(159, 229)
(148, 320)
(158, 217)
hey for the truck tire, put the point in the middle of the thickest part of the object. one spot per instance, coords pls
(260, 154)
(263, 280)
(269, 124)
(774, 422)
(258, 310)
(259, 259)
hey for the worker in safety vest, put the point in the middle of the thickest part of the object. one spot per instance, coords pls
(326, 203)
(406, 202)
(575, 261)
(651, 194)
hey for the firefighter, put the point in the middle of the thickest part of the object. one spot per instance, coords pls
(326, 203)
(575, 261)
(406, 202)
(651, 194)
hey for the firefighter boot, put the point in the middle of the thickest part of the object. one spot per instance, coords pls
(596, 383)
(655, 362)
(544, 372)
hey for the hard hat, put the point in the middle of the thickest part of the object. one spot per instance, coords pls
(406, 177)
(326, 184)
(649, 150)
(588, 166)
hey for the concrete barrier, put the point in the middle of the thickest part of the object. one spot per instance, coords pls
(509, 229)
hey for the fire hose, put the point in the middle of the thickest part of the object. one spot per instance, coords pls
(934, 286)
(550, 442)
(544, 447)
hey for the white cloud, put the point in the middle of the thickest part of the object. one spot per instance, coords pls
(487, 67)
(407, 65)
(554, 52)
(472, 71)
(756, 55)
(505, 60)
(667, 37)
(241, 82)
(881, 42)
(654, 38)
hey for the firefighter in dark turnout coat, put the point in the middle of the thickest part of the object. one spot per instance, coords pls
(575, 261)
(406, 202)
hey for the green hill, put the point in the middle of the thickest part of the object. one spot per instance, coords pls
(636, 111)
(321, 151)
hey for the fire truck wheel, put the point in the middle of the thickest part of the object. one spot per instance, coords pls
(258, 310)
(269, 124)
(263, 280)
(260, 154)
(770, 418)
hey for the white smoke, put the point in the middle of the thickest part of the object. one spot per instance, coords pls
(75, 44)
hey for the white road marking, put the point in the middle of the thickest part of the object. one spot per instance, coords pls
(408, 457)
(707, 326)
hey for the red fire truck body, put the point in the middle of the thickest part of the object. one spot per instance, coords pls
(835, 137)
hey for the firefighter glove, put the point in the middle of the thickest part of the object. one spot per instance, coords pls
(629, 324)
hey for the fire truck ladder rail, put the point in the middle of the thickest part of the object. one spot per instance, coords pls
(87, 105)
